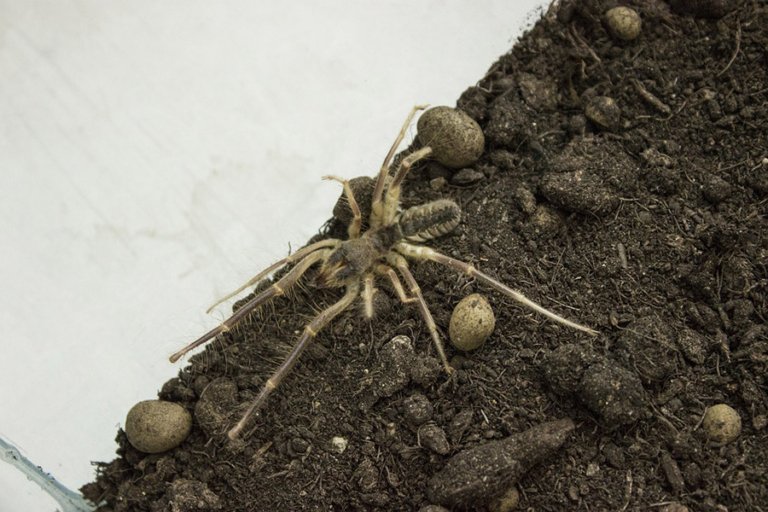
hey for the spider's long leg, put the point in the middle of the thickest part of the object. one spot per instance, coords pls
(425, 253)
(392, 198)
(301, 253)
(277, 289)
(309, 333)
(357, 218)
(413, 287)
(378, 190)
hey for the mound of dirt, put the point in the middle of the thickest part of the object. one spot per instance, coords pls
(624, 184)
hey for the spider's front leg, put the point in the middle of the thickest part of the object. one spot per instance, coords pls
(425, 253)
(277, 289)
(309, 333)
(298, 255)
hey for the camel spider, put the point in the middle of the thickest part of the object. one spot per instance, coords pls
(355, 263)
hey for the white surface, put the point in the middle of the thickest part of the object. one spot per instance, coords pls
(154, 155)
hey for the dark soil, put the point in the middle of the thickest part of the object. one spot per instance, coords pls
(651, 229)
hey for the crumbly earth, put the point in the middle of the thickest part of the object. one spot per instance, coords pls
(651, 229)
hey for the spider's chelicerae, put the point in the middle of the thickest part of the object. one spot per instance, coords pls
(354, 264)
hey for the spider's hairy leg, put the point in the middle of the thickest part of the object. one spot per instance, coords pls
(425, 253)
(378, 191)
(301, 253)
(277, 289)
(402, 266)
(353, 231)
(309, 333)
(392, 198)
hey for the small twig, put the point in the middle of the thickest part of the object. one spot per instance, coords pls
(585, 45)
(650, 98)
(622, 255)
(735, 51)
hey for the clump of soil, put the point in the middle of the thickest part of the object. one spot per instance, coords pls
(649, 225)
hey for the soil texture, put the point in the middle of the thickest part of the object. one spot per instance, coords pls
(624, 184)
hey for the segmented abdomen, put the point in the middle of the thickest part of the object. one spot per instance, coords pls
(428, 221)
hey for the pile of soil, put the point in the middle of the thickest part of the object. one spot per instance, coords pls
(643, 217)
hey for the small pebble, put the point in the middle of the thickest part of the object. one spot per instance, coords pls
(716, 189)
(703, 8)
(467, 176)
(623, 23)
(472, 322)
(188, 495)
(480, 474)
(674, 507)
(417, 409)
(546, 221)
(438, 183)
(614, 393)
(433, 437)
(722, 423)
(672, 472)
(579, 191)
(459, 425)
(339, 444)
(455, 138)
(604, 112)
(155, 426)
(507, 502)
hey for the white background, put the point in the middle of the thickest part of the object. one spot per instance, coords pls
(155, 155)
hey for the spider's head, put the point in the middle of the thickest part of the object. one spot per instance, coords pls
(348, 262)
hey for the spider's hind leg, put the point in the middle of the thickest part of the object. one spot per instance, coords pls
(425, 253)
(309, 333)
(413, 287)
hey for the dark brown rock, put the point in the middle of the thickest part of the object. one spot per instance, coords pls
(480, 474)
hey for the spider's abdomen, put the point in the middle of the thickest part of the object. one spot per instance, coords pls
(428, 221)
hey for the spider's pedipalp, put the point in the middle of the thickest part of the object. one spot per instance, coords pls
(307, 335)
(402, 266)
(298, 255)
(276, 289)
(392, 198)
(425, 253)
(353, 231)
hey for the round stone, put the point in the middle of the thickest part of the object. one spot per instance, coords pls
(155, 426)
(455, 138)
(471, 323)
(623, 23)
(506, 502)
(722, 423)
(604, 112)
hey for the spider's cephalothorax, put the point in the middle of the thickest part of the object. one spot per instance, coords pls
(382, 251)
(357, 256)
